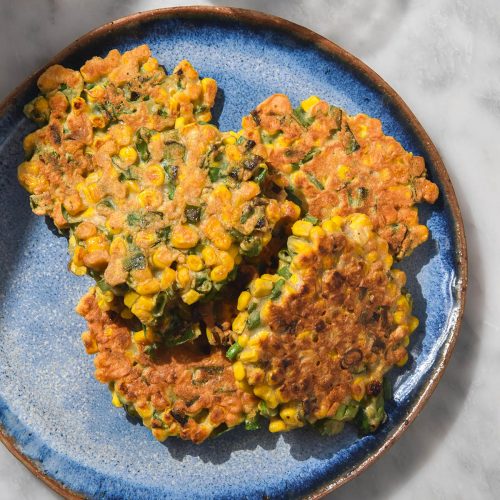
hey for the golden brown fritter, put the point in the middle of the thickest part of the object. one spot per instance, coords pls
(318, 336)
(341, 164)
(187, 390)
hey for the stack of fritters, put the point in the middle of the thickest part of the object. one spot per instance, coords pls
(172, 218)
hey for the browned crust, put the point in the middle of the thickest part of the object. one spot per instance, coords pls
(265, 20)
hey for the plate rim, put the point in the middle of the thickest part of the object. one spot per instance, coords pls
(265, 20)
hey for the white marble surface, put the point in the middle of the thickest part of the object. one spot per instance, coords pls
(443, 59)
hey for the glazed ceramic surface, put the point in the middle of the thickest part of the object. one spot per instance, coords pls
(60, 418)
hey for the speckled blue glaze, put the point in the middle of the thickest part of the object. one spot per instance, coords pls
(50, 404)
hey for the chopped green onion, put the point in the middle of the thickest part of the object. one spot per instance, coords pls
(314, 180)
(233, 351)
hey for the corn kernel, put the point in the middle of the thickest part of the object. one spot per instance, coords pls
(126, 314)
(150, 65)
(183, 276)
(128, 155)
(184, 237)
(239, 370)
(240, 322)
(413, 324)
(249, 355)
(162, 257)
(399, 317)
(155, 174)
(233, 153)
(149, 287)
(139, 337)
(302, 228)
(261, 287)
(358, 389)
(130, 298)
(160, 434)
(116, 401)
(218, 273)
(191, 297)
(167, 278)
(194, 263)
(308, 103)
(243, 300)
(180, 122)
(209, 256)
(290, 415)
(150, 198)
(277, 425)
(145, 411)
(243, 340)
(142, 308)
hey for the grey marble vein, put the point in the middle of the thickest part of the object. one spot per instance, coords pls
(443, 59)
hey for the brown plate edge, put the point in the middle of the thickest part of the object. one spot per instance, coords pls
(326, 45)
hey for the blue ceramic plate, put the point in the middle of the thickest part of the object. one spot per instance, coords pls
(59, 421)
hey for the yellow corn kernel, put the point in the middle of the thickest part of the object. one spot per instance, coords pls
(413, 324)
(150, 65)
(330, 226)
(249, 190)
(183, 276)
(233, 153)
(128, 155)
(249, 355)
(243, 300)
(273, 212)
(162, 257)
(218, 273)
(260, 287)
(145, 411)
(371, 257)
(139, 337)
(118, 247)
(359, 221)
(78, 270)
(243, 340)
(316, 233)
(399, 317)
(149, 287)
(208, 85)
(132, 187)
(342, 172)
(121, 133)
(167, 278)
(155, 174)
(239, 370)
(194, 263)
(256, 339)
(298, 246)
(160, 434)
(239, 322)
(229, 140)
(403, 361)
(209, 256)
(277, 425)
(145, 239)
(180, 122)
(290, 415)
(358, 388)
(226, 260)
(130, 298)
(302, 228)
(222, 193)
(388, 261)
(95, 192)
(116, 401)
(150, 198)
(191, 297)
(142, 308)
(308, 103)
(406, 341)
(184, 237)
